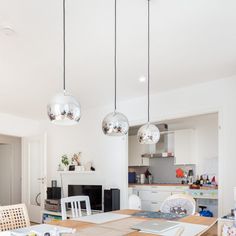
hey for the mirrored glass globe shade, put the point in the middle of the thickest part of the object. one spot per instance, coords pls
(115, 123)
(148, 133)
(64, 109)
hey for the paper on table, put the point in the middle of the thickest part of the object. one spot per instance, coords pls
(189, 229)
(102, 218)
(41, 229)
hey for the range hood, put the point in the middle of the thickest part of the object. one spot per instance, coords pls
(165, 147)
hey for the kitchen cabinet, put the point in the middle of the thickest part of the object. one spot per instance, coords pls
(159, 196)
(153, 196)
(135, 152)
(130, 191)
(146, 205)
(145, 195)
(184, 147)
(156, 206)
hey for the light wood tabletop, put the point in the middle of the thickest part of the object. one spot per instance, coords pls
(123, 226)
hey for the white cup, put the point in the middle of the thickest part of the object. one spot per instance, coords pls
(142, 178)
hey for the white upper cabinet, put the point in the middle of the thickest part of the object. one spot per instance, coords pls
(184, 147)
(136, 151)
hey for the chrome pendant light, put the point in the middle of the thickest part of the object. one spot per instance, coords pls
(148, 133)
(115, 123)
(64, 109)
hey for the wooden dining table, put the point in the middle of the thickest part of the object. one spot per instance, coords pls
(123, 226)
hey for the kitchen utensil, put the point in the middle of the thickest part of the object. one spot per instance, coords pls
(150, 179)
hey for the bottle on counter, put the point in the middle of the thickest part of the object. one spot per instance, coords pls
(197, 180)
(208, 181)
(201, 181)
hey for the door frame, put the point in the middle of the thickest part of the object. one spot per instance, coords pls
(25, 183)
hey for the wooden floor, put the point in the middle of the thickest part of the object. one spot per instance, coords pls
(212, 231)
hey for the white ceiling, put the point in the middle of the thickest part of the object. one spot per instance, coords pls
(192, 41)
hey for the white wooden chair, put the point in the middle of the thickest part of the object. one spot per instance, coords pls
(13, 217)
(182, 201)
(75, 202)
(134, 202)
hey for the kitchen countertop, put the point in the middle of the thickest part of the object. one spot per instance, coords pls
(169, 184)
(158, 184)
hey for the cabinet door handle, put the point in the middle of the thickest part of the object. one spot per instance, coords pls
(154, 192)
(154, 202)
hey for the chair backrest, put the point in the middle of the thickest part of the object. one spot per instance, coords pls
(13, 217)
(134, 202)
(75, 203)
(178, 202)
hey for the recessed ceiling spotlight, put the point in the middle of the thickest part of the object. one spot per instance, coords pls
(142, 79)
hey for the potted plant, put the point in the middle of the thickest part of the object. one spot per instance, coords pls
(65, 161)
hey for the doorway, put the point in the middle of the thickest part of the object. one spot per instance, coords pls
(188, 144)
(34, 172)
(10, 170)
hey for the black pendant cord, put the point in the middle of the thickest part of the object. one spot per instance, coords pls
(148, 60)
(115, 58)
(64, 46)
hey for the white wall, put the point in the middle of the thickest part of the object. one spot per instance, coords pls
(18, 126)
(109, 154)
(203, 98)
(206, 141)
(5, 174)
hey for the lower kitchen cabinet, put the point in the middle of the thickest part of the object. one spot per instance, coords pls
(146, 205)
(159, 195)
(156, 206)
(153, 196)
(172, 193)
(150, 205)
(145, 195)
